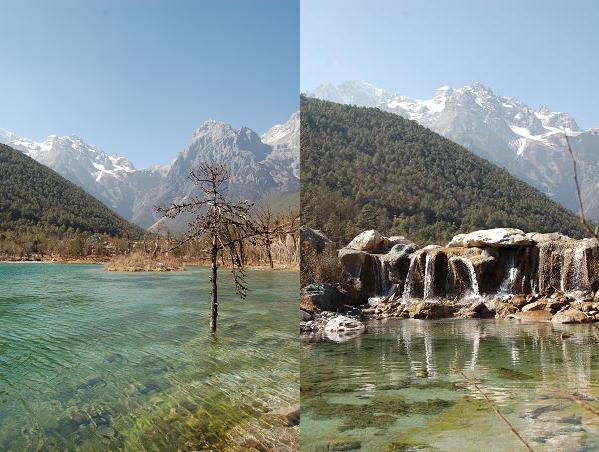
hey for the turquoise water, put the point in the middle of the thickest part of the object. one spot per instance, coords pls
(93, 360)
(412, 385)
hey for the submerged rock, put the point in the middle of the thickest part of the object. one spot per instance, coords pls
(531, 316)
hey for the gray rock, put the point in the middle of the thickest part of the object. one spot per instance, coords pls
(305, 316)
(316, 238)
(323, 296)
(343, 324)
(370, 241)
(496, 238)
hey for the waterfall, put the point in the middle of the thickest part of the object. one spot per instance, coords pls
(380, 276)
(429, 277)
(407, 291)
(580, 275)
(471, 273)
(562, 271)
(508, 285)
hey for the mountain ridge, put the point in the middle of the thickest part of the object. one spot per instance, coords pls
(363, 168)
(35, 198)
(528, 142)
(262, 168)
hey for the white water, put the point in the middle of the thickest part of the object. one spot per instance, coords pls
(429, 277)
(580, 275)
(407, 291)
(511, 275)
(473, 289)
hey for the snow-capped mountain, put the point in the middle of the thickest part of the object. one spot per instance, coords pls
(258, 168)
(284, 160)
(530, 143)
(110, 178)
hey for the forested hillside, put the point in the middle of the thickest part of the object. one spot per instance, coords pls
(34, 198)
(363, 168)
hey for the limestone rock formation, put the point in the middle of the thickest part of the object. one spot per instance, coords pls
(369, 241)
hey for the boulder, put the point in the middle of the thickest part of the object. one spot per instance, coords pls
(315, 238)
(359, 274)
(394, 240)
(343, 324)
(536, 306)
(323, 296)
(397, 260)
(496, 238)
(540, 237)
(555, 304)
(519, 301)
(570, 316)
(430, 310)
(305, 316)
(477, 310)
(456, 241)
(503, 310)
(370, 241)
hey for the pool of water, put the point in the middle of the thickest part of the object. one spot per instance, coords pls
(422, 385)
(93, 360)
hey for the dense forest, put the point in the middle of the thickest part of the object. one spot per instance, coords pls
(36, 200)
(362, 168)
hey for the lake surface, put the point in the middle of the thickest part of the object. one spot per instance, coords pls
(93, 360)
(412, 385)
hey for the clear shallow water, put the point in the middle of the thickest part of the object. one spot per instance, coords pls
(96, 360)
(399, 387)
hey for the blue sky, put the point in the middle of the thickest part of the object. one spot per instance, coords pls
(135, 77)
(542, 52)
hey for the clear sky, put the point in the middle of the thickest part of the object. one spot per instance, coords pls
(135, 77)
(542, 52)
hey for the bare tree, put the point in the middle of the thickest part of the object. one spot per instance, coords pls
(583, 220)
(269, 227)
(223, 222)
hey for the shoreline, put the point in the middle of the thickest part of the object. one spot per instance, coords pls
(192, 263)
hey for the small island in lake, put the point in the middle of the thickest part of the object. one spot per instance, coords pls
(144, 262)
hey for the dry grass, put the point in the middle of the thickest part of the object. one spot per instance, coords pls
(139, 261)
(319, 267)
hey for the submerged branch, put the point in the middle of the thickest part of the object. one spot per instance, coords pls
(494, 408)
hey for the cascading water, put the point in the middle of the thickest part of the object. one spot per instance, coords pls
(563, 279)
(580, 275)
(382, 288)
(409, 284)
(508, 284)
(380, 276)
(429, 277)
(473, 289)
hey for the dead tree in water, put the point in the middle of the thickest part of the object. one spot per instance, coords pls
(223, 222)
